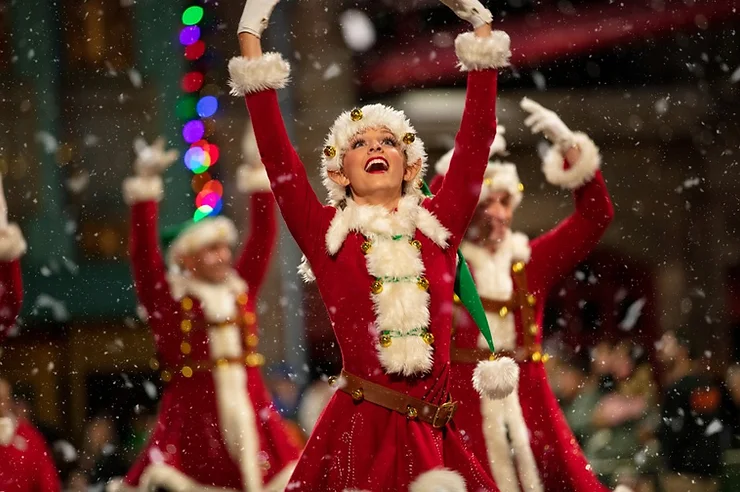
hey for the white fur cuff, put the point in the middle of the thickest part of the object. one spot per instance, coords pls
(248, 75)
(478, 53)
(142, 189)
(580, 172)
(12, 243)
(496, 378)
(251, 179)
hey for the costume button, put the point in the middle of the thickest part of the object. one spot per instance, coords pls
(518, 267)
(411, 412)
(503, 312)
(242, 298)
(252, 340)
(366, 246)
(377, 286)
(423, 283)
(166, 376)
(358, 394)
(187, 303)
(427, 337)
(187, 371)
(531, 299)
(250, 318)
(185, 348)
(154, 364)
(536, 357)
(186, 325)
(533, 329)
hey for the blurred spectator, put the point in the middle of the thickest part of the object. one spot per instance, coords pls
(695, 430)
(77, 482)
(284, 390)
(100, 457)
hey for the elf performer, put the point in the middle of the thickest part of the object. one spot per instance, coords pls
(217, 428)
(524, 438)
(384, 258)
(25, 460)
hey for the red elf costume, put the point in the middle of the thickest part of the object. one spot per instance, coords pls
(217, 428)
(25, 460)
(524, 437)
(386, 278)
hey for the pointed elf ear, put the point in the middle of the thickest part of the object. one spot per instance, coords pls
(338, 177)
(412, 170)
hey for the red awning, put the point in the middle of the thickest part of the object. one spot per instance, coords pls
(546, 36)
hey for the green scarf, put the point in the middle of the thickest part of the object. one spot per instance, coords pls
(467, 292)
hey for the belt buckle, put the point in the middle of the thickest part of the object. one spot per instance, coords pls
(444, 414)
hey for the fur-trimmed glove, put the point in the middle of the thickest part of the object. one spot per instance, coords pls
(471, 11)
(547, 122)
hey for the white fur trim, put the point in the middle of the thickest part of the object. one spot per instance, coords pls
(142, 189)
(498, 449)
(313, 403)
(12, 243)
(480, 53)
(438, 480)
(496, 378)
(250, 179)
(580, 172)
(622, 488)
(217, 300)
(203, 233)
(529, 476)
(163, 475)
(501, 176)
(237, 422)
(305, 271)
(248, 75)
(280, 481)
(373, 116)
(117, 485)
(7, 430)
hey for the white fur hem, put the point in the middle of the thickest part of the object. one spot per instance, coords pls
(280, 481)
(438, 480)
(580, 172)
(497, 378)
(142, 189)
(248, 75)
(206, 232)
(478, 53)
(251, 179)
(622, 488)
(12, 243)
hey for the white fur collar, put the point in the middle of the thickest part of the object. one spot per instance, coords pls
(218, 300)
(7, 430)
(377, 221)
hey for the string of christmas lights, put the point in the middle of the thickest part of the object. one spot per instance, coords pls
(197, 108)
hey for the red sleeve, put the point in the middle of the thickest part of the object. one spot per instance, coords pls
(558, 251)
(254, 259)
(11, 295)
(457, 198)
(304, 214)
(48, 478)
(150, 274)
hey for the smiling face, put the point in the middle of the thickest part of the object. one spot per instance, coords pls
(375, 167)
(211, 263)
(493, 218)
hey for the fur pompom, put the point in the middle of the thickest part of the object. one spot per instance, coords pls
(438, 480)
(580, 172)
(496, 378)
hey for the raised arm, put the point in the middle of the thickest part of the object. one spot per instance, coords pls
(142, 192)
(481, 54)
(573, 162)
(254, 260)
(12, 246)
(256, 77)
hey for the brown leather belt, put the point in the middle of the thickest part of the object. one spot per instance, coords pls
(461, 355)
(412, 408)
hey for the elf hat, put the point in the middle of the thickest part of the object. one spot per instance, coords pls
(190, 236)
(350, 123)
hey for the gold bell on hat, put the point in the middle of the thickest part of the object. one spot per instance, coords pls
(356, 114)
(330, 151)
(409, 138)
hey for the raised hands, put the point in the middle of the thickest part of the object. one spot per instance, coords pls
(545, 121)
(152, 160)
(256, 16)
(471, 11)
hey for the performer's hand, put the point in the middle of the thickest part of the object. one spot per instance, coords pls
(471, 11)
(256, 16)
(542, 120)
(153, 160)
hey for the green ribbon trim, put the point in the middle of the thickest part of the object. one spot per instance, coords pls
(414, 332)
(467, 292)
(399, 279)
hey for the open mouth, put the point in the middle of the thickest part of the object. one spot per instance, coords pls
(376, 165)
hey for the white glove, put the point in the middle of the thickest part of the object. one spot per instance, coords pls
(152, 160)
(255, 16)
(470, 10)
(542, 120)
(161, 475)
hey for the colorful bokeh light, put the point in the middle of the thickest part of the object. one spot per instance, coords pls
(207, 106)
(195, 50)
(192, 15)
(193, 131)
(192, 81)
(189, 35)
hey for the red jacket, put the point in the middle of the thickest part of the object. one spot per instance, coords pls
(365, 446)
(26, 464)
(189, 431)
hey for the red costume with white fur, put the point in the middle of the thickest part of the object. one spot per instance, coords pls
(525, 438)
(12, 246)
(358, 444)
(216, 425)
